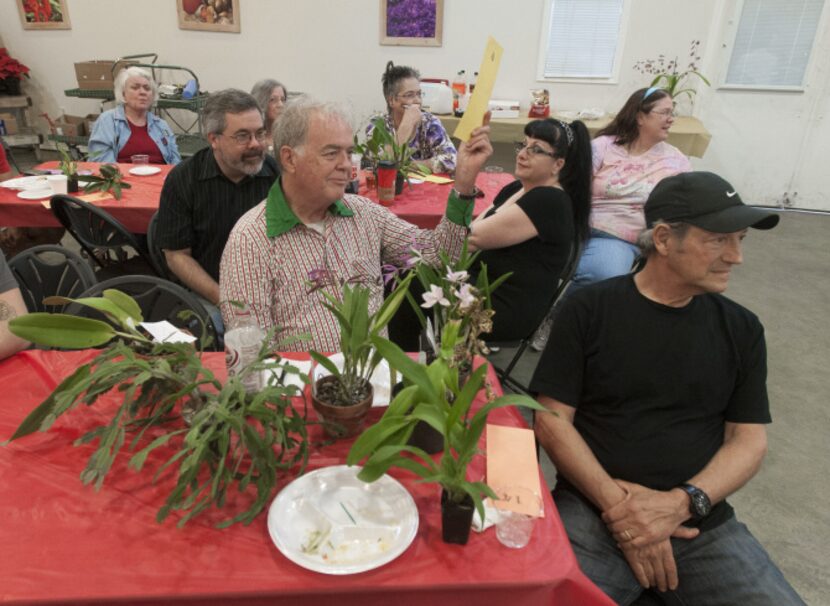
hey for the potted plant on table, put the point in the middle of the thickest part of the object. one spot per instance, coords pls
(667, 76)
(343, 398)
(69, 167)
(382, 145)
(110, 180)
(222, 437)
(435, 395)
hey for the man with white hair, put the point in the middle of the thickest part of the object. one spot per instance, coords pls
(204, 196)
(658, 383)
(307, 236)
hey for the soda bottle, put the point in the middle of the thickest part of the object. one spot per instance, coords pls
(459, 89)
(242, 343)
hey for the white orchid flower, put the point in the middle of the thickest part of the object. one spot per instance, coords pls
(457, 276)
(435, 295)
(466, 296)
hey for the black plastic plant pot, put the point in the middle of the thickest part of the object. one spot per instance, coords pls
(399, 183)
(427, 438)
(456, 519)
(72, 185)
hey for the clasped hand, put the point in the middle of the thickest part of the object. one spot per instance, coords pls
(642, 524)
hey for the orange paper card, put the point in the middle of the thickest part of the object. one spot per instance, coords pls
(98, 196)
(512, 465)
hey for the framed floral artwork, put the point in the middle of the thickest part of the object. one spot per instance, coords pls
(43, 14)
(411, 22)
(211, 16)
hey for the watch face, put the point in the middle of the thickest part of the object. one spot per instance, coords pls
(700, 503)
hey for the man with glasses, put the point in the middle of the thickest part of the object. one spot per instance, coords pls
(204, 196)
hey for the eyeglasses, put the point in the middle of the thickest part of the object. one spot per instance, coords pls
(664, 112)
(244, 137)
(412, 95)
(532, 150)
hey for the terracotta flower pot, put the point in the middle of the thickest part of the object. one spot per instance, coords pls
(341, 421)
(456, 519)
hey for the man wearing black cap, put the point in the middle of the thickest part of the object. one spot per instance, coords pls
(659, 383)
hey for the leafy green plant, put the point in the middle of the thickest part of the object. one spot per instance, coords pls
(110, 180)
(435, 395)
(68, 165)
(383, 146)
(222, 435)
(667, 75)
(358, 326)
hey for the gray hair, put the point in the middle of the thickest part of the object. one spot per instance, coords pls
(262, 92)
(645, 241)
(291, 128)
(227, 101)
(133, 72)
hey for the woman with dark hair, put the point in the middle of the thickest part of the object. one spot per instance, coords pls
(431, 146)
(533, 223)
(630, 156)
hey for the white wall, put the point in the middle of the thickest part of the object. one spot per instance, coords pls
(765, 143)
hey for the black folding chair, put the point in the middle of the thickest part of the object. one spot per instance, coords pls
(50, 270)
(504, 373)
(158, 299)
(103, 238)
(9, 155)
(156, 253)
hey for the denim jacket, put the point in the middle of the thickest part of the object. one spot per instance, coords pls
(112, 131)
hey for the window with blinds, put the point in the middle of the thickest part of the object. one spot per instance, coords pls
(582, 38)
(773, 43)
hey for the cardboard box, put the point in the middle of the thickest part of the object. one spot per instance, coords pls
(96, 75)
(89, 122)
(71, 126)
(9, 124)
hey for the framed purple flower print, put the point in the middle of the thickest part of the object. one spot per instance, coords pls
(411, 22)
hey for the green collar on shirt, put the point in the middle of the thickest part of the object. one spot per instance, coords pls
(279, 218)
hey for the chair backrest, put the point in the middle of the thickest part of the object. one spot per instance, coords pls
(159, 299)
(9, 155)
(50, 270)
(96, 230)
(156, 253)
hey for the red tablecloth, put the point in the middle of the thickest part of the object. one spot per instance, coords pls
(134, 209)
(422, 204)
(62, 542)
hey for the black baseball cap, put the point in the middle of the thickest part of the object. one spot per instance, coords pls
(704, 200)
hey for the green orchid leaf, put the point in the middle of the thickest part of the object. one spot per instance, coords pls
(62, 330)
(124, 302)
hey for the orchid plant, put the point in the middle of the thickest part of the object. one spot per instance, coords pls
(667, 75)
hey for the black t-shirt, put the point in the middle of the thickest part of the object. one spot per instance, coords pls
(523, 299)
(653, 385)
(199, 206)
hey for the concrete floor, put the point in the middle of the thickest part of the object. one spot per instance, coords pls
(784, 281)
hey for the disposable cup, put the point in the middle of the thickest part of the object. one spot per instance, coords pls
(58, 183)
(140, 159)
(514, 529)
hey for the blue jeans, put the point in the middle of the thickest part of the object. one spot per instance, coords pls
(725, 565)
(604, 256)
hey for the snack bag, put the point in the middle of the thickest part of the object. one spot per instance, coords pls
(539, 103)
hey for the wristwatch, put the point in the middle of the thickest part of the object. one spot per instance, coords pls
(699, 503)
(471, 196)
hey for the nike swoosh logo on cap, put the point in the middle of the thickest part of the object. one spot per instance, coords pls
(729, 194)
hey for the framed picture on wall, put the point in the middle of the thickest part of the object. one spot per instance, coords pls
(411, 22)
(213, 16)
(43, 14)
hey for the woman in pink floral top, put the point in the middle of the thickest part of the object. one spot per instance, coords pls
(630, 157)
(430, 143)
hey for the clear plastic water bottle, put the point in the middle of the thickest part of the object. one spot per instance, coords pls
(242, 343)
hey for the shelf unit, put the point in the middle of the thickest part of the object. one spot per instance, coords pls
(27, 137)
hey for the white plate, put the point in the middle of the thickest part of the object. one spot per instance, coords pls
(35, 194)
(414, 181)
(32, 182)
(379, 379)
(309, 521)
(144, 171)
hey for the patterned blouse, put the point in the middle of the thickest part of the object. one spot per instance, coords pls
(431, 142)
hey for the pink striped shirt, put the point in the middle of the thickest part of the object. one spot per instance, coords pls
(271, 275)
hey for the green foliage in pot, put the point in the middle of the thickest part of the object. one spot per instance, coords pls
(110, 180)
(358, 327)
(68, 166)
(222, 437)
(383, 145)
(432, 394)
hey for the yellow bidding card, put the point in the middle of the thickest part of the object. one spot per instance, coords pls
(477, 107)
(512, 466)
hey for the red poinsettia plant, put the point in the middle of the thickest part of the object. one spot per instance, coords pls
(10, 67)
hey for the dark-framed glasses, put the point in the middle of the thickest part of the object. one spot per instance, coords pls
(532, 150)
(244, 137)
